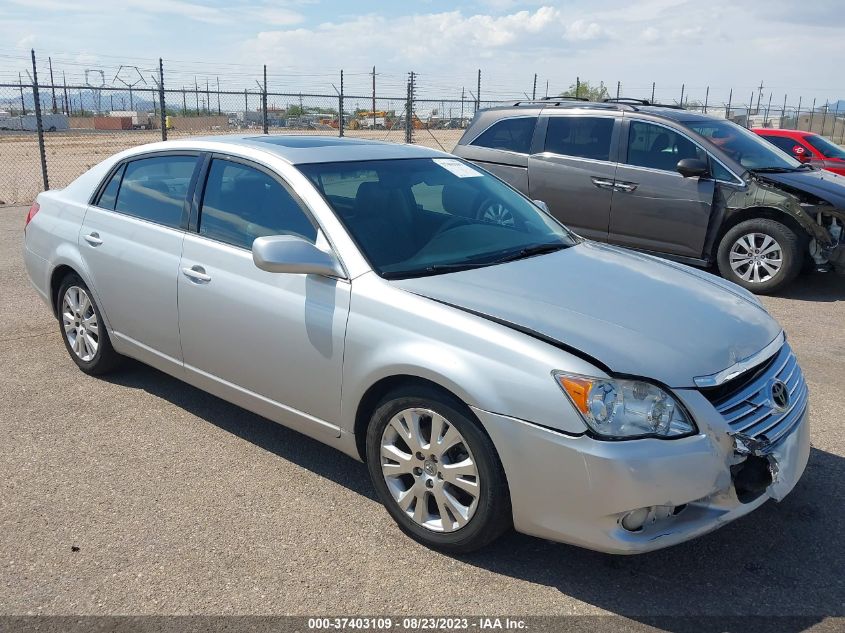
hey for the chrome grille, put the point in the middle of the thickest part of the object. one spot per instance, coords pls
(750, 410)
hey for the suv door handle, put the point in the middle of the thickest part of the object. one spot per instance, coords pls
(93, 239)
(196, 273)
(602, 183)
(627, 187)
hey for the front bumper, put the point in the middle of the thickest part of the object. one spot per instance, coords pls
(577, 489)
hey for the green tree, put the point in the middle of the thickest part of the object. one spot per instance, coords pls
(587, 90)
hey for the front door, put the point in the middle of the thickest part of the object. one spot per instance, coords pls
(575, 172)
(131, 241)
(654, 207)
(270, 342)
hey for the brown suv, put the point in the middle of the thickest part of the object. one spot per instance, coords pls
(683, 185)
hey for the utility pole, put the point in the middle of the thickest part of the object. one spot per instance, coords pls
(374, 97)
(52, 84)
(534, 91)
(478, 92)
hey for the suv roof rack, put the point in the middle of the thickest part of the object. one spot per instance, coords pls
(572, 102)
(642, 102)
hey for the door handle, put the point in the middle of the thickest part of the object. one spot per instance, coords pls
(196, 273)
(627, 187)
(93, 239)
(602, 183)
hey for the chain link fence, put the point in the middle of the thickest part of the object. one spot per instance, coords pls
(51, 133)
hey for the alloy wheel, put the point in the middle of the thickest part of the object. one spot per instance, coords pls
(429, 470)
(80, 323)
(756, 257)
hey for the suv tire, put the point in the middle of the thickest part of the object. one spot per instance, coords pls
(760, 255)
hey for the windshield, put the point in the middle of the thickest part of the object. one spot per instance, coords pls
(744, 146)
(826, 147)
(422, 216)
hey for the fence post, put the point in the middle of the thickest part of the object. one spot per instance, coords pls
(812, 116)
(39, 124)
(618, 89)
(340, 107)
(478, 93)
(706, 99)
(161, 99)
(728, 106)
(534, 90)
(264, 101)
(653, 86)
(23, 103)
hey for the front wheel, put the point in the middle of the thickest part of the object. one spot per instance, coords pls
(761, 255)
(437, 472)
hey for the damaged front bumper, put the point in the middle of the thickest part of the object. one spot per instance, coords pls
(634, 496)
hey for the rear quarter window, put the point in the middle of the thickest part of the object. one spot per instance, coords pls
(155, 188)
(511, 135)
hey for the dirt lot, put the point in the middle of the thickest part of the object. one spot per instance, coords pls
(138, 494)
(70, 154)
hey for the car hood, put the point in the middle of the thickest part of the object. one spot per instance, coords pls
(822, 184)
(633, 313)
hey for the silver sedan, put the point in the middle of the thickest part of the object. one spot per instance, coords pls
(406, 307)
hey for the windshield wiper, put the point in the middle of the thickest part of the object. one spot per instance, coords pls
(530, 251)
(776, 170)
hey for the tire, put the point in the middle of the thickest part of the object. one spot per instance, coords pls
(775, 269)
(80, 343)
(488, 509)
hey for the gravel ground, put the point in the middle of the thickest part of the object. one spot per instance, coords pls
(138, 494)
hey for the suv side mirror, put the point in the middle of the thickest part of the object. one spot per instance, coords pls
(693, 168)
(291, 254)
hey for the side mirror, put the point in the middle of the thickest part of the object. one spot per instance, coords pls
(693, 168)
(542, 205)
(291, 254)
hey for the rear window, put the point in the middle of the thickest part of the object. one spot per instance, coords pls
(583, 137)
(512, 135)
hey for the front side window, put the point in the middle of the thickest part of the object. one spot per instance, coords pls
(155, 188)
(512, 135)
(827, 148)
(745, 147)
(241, 203)
(785, 144)
(584, 137)
(422, 216)
(658, 147)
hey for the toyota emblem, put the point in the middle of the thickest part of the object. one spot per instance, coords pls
(780, 395)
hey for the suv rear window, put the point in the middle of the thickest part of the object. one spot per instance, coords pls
(512, 135)
(584, 137)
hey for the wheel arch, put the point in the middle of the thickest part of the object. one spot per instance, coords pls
(56, 276)
(383, 387)
(757, 212)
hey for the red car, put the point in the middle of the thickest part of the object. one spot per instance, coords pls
(807, 147)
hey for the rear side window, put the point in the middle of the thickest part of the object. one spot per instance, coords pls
(584, 137)
(154, 189)
(658, 147)
(785, 143)
(109, 193)
(512, 135)
(242, 203)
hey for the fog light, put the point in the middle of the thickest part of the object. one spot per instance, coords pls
(634, 520)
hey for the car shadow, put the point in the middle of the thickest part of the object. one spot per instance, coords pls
(783, 559)
(816, 287)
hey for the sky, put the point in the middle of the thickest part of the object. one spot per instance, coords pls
(793, 48)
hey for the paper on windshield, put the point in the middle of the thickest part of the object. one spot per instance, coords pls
(461, 170)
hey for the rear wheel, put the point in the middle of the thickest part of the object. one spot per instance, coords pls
(437, 472)
(761, 255)
(82, 328)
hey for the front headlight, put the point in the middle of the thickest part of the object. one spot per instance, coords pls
(625, 408)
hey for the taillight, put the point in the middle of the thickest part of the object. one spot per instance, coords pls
(32, 211)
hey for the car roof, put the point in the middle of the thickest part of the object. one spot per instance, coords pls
(299, 149)
(769, 131)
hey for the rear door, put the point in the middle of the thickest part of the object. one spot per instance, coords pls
(503, 149)
(654, 207)
(131, 242)
(575, 172)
